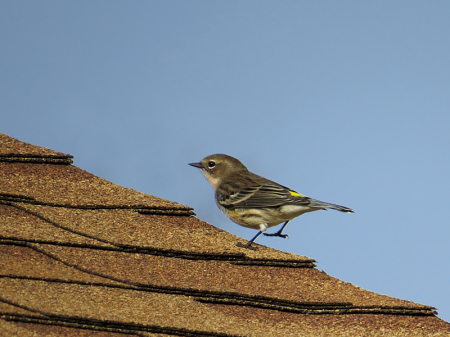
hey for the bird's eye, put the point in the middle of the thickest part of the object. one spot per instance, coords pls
(211, 164)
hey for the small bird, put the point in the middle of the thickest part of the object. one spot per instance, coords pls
(253, 201)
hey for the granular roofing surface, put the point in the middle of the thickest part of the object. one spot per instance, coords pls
(80, 256)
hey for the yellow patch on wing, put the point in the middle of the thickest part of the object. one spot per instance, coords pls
(295, 194)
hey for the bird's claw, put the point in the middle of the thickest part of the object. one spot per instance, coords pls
(284, 236)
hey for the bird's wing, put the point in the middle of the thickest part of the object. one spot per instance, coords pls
(267, 195)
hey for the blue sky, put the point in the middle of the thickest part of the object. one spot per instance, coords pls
(347, 102)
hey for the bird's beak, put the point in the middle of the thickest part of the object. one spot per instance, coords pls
(199, 165)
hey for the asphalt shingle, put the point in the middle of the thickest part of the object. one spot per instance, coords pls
(82, 256)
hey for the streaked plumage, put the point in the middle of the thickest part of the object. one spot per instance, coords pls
(253, 201)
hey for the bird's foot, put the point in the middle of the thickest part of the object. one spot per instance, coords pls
(284, 236)
(248, 245)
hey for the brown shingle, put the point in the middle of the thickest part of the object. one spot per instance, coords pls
(69, 186)
(131, 228)
(80, 255)
(13, 150)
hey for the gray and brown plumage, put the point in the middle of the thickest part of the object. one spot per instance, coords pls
(253, 201)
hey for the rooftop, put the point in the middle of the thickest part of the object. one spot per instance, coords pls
(83, 256)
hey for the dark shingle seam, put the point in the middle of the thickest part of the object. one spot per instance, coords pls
(232, 258)
(36, 158)
(104, 325)
(205, 296)
(10, 199)
(19, 155)
(37, 215)
(55, 322)
(233, 298)
(171, 253)
(200, 295)
(276, 263)
(239, 258)
(338, 309)
(15, 197)
(39, 160)
(96, 324)
(175, 290)
(306, 308)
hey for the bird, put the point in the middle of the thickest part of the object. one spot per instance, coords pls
(253, 201)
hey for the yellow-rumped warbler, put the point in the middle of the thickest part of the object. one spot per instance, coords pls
(253, 201)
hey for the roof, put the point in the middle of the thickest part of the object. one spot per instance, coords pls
(83, 256)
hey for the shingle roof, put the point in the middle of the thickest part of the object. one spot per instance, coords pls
(82, 256)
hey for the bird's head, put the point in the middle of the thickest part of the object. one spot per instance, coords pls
(217, 167)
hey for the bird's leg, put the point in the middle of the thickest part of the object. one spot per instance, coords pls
(248, 245)
(279, 232)
(263, 227)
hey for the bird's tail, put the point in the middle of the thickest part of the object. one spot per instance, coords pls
(325, 205)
